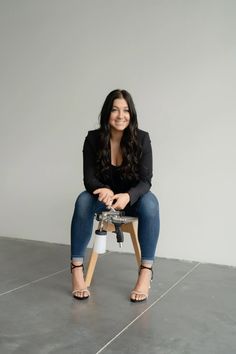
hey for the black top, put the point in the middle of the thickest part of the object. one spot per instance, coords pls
(118, 185)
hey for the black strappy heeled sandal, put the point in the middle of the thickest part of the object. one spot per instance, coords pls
(80, 291)
(142, 293)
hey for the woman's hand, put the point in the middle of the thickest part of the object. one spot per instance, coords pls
(121, 200)
(105, 195)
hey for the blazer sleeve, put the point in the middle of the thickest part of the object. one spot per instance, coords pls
(145, 171)
(91, 182)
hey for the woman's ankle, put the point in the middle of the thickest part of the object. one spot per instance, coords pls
(147, 263)
(77, 260)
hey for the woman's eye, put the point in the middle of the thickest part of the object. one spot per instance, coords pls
(113, 109)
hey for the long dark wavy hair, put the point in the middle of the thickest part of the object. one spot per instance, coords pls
(129, 144)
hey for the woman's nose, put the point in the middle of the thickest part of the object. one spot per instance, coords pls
(121, 115)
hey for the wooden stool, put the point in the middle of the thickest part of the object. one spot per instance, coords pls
(129, 228)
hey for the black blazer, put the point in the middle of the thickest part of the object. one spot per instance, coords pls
(136, 189)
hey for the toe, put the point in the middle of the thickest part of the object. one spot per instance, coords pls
(133, 297)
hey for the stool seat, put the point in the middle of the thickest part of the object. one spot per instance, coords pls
(131, 229)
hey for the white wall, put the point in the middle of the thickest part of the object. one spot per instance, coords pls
(59, 59)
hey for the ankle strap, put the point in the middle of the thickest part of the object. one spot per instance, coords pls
(73, 266)
(144, 267)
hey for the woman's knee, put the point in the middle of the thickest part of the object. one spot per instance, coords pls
(149, 205)
(84, 202)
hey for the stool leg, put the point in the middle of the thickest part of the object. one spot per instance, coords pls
(91, 267)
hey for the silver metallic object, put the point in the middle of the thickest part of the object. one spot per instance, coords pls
(115, 217)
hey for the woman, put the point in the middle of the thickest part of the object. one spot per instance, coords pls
(117, 163)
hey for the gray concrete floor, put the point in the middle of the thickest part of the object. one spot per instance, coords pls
(191, 308)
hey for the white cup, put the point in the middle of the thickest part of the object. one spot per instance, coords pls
(100, 244)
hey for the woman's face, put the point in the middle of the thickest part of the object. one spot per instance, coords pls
(119, 117)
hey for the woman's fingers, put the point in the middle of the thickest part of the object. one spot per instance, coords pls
(104, 195)
(122, 199)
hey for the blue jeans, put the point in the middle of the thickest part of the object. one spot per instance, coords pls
(146, 209)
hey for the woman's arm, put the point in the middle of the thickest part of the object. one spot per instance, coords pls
(91, 182)
(145, 171)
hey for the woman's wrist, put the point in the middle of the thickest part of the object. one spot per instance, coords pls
(128, 196)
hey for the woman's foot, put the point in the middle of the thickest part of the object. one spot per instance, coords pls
(80, 290)
(141, 290)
